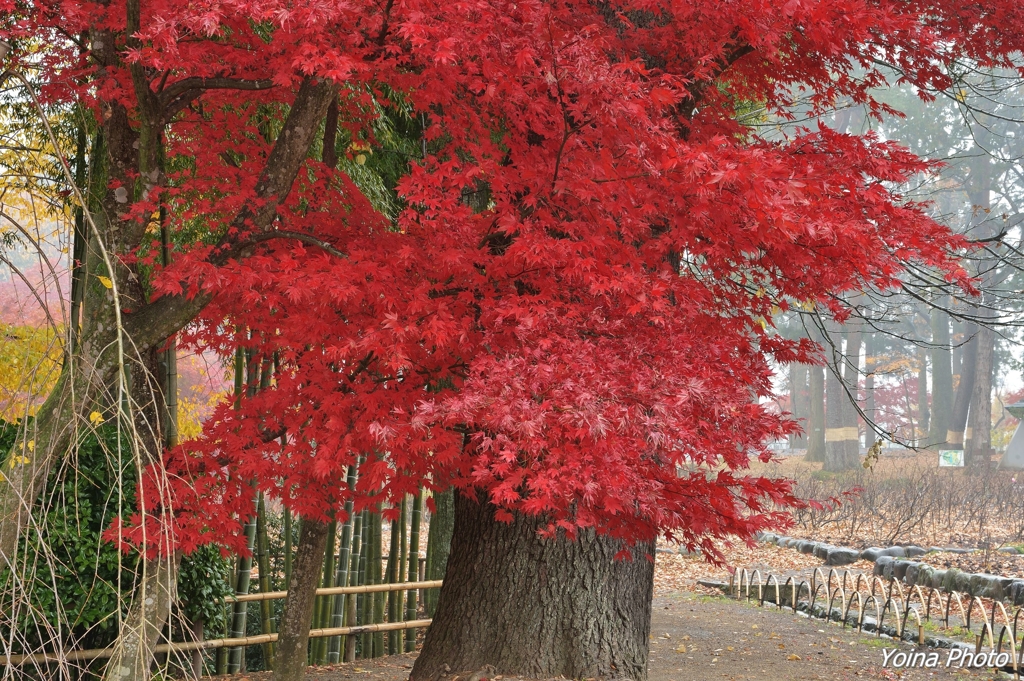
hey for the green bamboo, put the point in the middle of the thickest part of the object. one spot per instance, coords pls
(391, 575)
(351, 606)
(365, 577)
(378, 578)
(263, 557)
(341, 576)
(412, 571)
(243, 570)
(439, 540)
(222, 653)
(322, 613)
(243, 575)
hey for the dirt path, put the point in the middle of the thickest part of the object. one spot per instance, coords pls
(697, 638)
(701, 638)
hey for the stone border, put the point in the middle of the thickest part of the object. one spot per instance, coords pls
(893, 563)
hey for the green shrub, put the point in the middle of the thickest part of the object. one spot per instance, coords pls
(72, 584)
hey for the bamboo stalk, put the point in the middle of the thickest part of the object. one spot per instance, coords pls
(366, 561)
(244, 569)
(351, 612)
(412, 571)
(341, 576)
(402, 577)
(104, 653)
(378, 575)
(390, 578)
(391, 575)
(262, 543)
(323, 612)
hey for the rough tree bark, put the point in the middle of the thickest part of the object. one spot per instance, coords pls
(537, 607)
(293, 636)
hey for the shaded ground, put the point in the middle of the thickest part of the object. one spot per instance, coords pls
(701, 638)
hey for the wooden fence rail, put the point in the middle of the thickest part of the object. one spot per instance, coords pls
(106, 653)
(335, 590)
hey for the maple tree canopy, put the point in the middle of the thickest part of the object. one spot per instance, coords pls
(594, 341)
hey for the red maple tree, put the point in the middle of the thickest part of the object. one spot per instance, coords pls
(593, 342)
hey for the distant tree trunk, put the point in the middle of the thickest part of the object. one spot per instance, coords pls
(923, 411)
(439, 540)
(851, 417)
(942, 378)
(798, 403)
(837, 410)
(964, 390)
(536, 607)
(869, 387)
(979, 431)
(957, 342)
(816, 418)
(293, 638)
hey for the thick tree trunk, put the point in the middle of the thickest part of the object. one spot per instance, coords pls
(538, 607)
(293, 638)
(942, 379)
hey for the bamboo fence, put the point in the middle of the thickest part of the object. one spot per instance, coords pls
(105, 653)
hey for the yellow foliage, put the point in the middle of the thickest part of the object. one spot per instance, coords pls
(30, 361)
(194, 409)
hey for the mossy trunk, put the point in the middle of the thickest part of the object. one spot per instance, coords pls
(293, 638)
(140, 631)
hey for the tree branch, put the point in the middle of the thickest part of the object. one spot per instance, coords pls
(180, 94)
(158, 320)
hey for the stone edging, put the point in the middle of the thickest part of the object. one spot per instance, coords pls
(892, 563)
